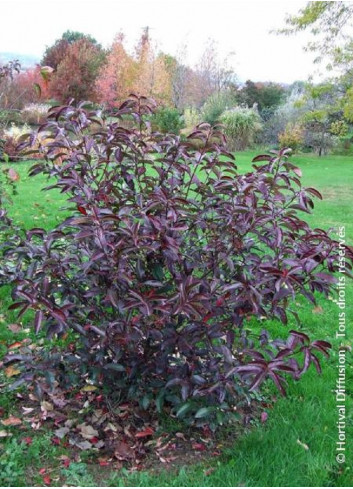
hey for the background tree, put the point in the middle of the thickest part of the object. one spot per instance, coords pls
(76, 74)
(216, 104)
(266, 96)
(288, 114)
(7, 73)
(54, 54)
(212, 74)
(117, 75)
(23, 88)
(330, 24)
(152, 75)
(322, 112)
(180, 76)
(146, 72)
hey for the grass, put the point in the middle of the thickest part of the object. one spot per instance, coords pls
(296, 446)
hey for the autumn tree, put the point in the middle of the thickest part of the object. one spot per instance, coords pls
(76, 74)
(117, 75)
(26, 87)
(152, 76)
(144, 72)
(19, 88)
(56, 53)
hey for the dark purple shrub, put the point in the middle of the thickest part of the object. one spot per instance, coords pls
(167, 252)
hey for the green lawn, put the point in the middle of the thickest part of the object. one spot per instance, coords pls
(296, 446)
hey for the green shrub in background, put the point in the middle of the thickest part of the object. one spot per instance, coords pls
(292, 137)
(344, 145)
(215, 105)
(191, 117)
(241, 126)
(168, 120)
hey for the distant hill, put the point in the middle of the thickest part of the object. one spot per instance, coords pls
(26, 60)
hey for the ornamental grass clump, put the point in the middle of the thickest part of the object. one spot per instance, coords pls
(167, 253)
(241, 124)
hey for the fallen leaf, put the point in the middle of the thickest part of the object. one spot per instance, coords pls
(11, 421)
(46, 406)
(123, 451)
(180, 435)
(15, 345)
(63, 457)
(4, 433)
(264, 417)
(199, 446)
(61, 432)
(11, 371)
(103, 463)
(87, 431)
(89, 388)
(98, 417)
(42, 471)
(59, 402)
(166, 460)
(15, 328)
(111, 426)
(147, 432)
(27, 440)
(84, 445)
(317, 310)
(27, 410)
(13, 175)
(304, 445)
(65, 460)
(99, 444)
(209, 471)
(127, 431)
(47, 480)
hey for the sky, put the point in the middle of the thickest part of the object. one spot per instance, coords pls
(240, 28)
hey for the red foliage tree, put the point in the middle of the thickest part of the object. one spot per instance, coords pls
(76, 74)
(56, 53)
(22, 89)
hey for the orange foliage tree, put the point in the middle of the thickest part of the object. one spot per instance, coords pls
(153, 78)
(145, 73)
(117, 75)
